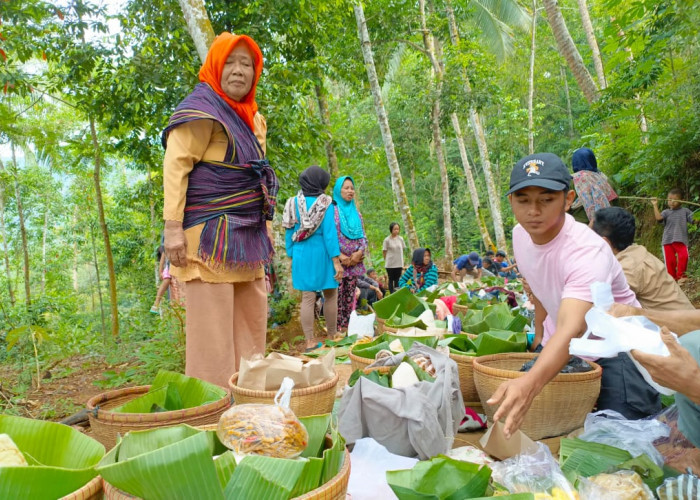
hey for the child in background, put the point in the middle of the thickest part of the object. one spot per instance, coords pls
(675, 239)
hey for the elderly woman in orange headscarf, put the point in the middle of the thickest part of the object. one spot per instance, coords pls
(219, 194)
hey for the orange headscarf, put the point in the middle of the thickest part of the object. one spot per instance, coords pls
(213, 68)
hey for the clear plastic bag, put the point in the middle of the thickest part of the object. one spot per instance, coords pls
(635, 436)
(620, 485)
(535, 471)
(261, 429)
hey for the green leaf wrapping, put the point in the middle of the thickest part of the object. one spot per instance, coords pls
(264, 478)
(225, 465)
(66, 459)
(316, 427)
(401, 301)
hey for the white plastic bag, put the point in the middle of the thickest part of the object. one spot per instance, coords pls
(362, 326)
(618, 335)
(636, 436)
(370, 461)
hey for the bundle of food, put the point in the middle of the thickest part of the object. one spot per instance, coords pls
(411, 370)
(391, 343)
(185, 462)
(172, 391)
(45, 460)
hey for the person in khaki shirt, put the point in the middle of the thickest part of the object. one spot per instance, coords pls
(219, 196)
(646, 275)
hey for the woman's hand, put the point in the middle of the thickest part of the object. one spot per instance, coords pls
(357, 257)
(345, 261)
(175, 243)
(338, 270)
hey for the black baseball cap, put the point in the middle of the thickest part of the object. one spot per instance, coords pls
(542, 170)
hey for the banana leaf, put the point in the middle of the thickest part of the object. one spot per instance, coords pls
(499, 308)
(316, 428)
(459, 344)
(407, 342)
(333, 457)
(438, 479)
(370, 349)
(225, 465)
(401, 301)
(63, 459)
(513, 496)
(518, 323)
(406, 321)
(585, 463)
(568, 445)
(345, 341)
(165, 463)
(191, 392)
(262, 477)
(476, 328)
(651, 474)
(498, 341)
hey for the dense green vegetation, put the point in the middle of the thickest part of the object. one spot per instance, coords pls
(87, 90)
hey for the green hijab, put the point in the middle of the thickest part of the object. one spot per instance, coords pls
(350, 222)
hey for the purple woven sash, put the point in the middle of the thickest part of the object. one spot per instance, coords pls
(233, 198)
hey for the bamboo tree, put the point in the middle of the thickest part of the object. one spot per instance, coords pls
(569, 52)
(198, 25)
(480, 137)
(431, 49)
(22, 229)
(3, 232)
(593, 43)
(95, 263)
(382, 118)
(569, 114)
(531, 81)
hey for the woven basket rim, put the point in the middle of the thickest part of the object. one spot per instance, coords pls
(271, 394)
(160, 417)
(342, 475)
(462, 358)
(360, 359)
(87, 490)
(596, 373)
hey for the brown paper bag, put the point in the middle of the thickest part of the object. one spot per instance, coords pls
(494, 442)
(267, 374)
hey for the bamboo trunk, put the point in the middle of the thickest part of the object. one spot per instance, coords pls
(569, 52)
(23, 232)
(593, 43)
(198, 25)
(3, 232)
(569, 114)
(531, 78)
(105, 231)
(382, 118)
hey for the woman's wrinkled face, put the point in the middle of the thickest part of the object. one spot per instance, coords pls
(426, 258)
(239, 72)
(396, 230)
(347, 190)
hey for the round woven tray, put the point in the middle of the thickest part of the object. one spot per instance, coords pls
(560, 408)
(357, 362)
(466, 378)
(335, 489)
(314, 400)
(91, 491)
(106, 425)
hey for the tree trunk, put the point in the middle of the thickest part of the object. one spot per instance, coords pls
(382, 118)
(480, 137)
(562, 71)
(198, 25)
(326, 122)
(593, 43)
(531, 92)
(75, 249)
(569, 52)
(105, 231)
(43, 250)
(23, 231)
(471, 184)
(98, 285)
(3, 232)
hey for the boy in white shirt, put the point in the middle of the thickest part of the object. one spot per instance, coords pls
(560, 258)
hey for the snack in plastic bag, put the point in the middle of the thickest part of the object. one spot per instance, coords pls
(683, 487)
(260, 429)
(621, 485)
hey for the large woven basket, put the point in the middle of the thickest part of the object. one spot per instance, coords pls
(560, 408)
(91, 491)
(106, 425)
(358, 362)
(335, 489)
(389, 329)
(305, 402)
(459, 309)
(466, 379)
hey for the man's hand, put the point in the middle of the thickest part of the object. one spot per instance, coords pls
(515, 397)
(678, 371)
(379, 293)
(175, 243)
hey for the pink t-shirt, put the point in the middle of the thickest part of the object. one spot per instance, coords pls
(567, 266)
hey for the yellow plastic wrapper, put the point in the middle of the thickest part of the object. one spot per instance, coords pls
(260, 429)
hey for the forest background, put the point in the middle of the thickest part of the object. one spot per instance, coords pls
(426, 103)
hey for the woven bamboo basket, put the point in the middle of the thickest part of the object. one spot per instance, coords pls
(335, 489)
(305, 402)
(106, 425)
(358, 362)
(466, 379)
(389, 329)
(459, 309)
(560, 408)
(91, 491)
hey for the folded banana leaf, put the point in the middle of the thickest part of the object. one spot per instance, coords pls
(173, 391)
(406, 321)
(459, 344)
(370, 349)
(650, 473)
(401, 301)
(61, 459)
(500, 341)
(440, 478)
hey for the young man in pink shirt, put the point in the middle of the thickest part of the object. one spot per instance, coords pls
(560, 259)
